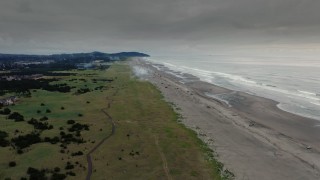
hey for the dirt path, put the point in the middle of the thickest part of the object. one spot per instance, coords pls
(89, 160)
(164, 160)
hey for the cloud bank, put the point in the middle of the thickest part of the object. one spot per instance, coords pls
(156, 27)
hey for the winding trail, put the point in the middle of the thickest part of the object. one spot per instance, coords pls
(164, 160)
(113, 130)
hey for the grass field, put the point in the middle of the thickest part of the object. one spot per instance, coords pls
(148, 142)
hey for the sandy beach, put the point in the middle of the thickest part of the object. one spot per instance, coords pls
(251, 136)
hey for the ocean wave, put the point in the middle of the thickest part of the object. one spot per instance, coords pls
(209, 76)
(219, 97)
(309, 93)
(288, 96)
(294, 109)
(317, 104)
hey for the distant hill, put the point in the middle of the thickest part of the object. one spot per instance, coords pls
(71, 57)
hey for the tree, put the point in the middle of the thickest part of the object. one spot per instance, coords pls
(5, 111)
(3, 141)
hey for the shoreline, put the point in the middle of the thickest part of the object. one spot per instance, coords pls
(281, 104)
(253, 138)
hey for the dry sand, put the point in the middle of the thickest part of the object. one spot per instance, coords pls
(251, 136)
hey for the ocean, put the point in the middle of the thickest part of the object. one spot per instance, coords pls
(291, 81)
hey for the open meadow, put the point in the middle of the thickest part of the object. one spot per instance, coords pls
(120, 125)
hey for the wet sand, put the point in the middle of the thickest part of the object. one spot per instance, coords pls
(251, 136)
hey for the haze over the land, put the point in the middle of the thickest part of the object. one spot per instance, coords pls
(159, 27)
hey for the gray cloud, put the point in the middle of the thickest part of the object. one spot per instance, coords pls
(153, 26)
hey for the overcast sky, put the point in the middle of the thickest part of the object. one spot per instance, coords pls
(157, 26)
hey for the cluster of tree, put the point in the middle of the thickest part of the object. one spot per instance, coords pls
(83, 80)
(102, 80)
(24, 141)
(3, 141)
(33, 70)
(71, 80)
(99, 88)
(44, 118)
(132, 153)
(83, 90)
(58, 87)
(74, 57)
(44, 173)
(53, 140)
(40, 125)
(24, 85)
(78, 127)
(69, 166)
(69, 138)
(17, 117)
(2, 92)
(79, 153)
(5, 111)
(71, 121)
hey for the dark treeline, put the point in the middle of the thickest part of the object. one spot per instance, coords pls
(38, 68)
(24, 85)
(44, 173)
(75, 57)
(29, 72)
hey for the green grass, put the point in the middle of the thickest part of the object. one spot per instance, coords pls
(142, 118)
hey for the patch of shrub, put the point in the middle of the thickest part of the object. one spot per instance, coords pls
(44, 118)
(78, 127)
(24, 141)
(69, 166)
(79, 153)
(70, 173)
(36, 174)
(16, 117)
(12, 164)
(83, 90)
(56, 176)
(53, 140)
(99, 88)
(56, 169)
(71, 121)
(68, 138)
(40, 125)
